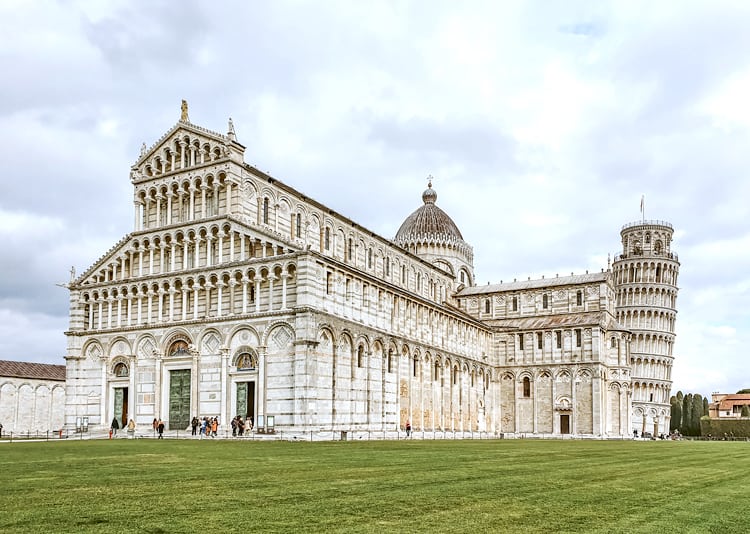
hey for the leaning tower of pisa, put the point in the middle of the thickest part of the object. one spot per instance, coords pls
(646, 284)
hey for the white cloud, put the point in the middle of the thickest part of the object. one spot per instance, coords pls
(543, 124)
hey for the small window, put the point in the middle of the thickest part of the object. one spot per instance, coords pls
(387, 264)
(437, 371)
(369, 258)
(361, 356)
(455, 376)
(526, 387)
(579, 298)
(540, 340)
(487, 306)
(327, 239)
(614, 343)
(520, 341)
(329, 280)
(299, 226)
(415, 366)
(390, 360)
(350, 249)
(545, 301)
(558, 339)
(265, 210)
(463, 277)
(578, 337)
(515, 303)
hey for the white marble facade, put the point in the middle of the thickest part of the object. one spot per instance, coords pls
(237, 294)
(32, 398)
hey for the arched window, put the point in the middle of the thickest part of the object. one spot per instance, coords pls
(350, 250)
(265, 210)
(299, 225)
(369, 258)
(390, 360)
(526, 386)
(487, 306)
(437, 371)
(327, 239)
(361, 356)
(515, 304)
(579, 298)
(614, 343)
(387, 265)
(121, 370)
(415, 363)
(545, 301)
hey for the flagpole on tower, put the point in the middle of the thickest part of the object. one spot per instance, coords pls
(643, 209)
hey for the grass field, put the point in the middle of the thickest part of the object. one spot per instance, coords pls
(402, 486)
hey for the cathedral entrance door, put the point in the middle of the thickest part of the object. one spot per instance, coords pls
(121, 406)
(246, 400)
(564, 424)
(179, 399)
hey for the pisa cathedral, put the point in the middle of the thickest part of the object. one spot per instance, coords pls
(236, 294)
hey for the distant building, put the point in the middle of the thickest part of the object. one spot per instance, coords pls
(236, 294)
(32, 397)
(728, 405)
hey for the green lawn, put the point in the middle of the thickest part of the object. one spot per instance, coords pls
(403, 486)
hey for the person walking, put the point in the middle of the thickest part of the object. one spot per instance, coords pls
(160, 429)
(194, 424)
(408, 429)
(114, 427)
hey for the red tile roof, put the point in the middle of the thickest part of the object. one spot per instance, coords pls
(730, 401)
(39, 371)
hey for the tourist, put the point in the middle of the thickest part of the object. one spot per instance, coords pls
(240, 426)
(214, 426)
(408, 429)
(131, 429)
(160, 429)
(1, 430)
(194, 424)
(234, 426)
(115, 426)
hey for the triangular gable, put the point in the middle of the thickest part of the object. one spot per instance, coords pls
(87, 276)
(178, 140)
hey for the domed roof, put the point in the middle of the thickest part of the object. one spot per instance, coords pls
(428, 221)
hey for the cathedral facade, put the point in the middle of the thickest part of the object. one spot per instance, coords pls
(235, 294)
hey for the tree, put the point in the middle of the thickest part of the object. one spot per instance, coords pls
(675, 413)
(687, 418)
(743, 391)
(745, 410)
(696, 414)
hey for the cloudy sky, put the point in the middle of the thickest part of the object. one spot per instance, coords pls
(543, 124)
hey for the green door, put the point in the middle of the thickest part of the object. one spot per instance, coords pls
(246, 400)
(121, 406)
(179, 399)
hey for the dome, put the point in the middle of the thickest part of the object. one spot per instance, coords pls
(428, 221)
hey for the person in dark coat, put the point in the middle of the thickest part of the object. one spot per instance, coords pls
(115, 426)
(160, 429)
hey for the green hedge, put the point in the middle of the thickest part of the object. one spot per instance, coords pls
(739, 428)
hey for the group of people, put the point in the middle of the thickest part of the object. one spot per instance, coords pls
(239, 427)
(209, 427)
(158, 425)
